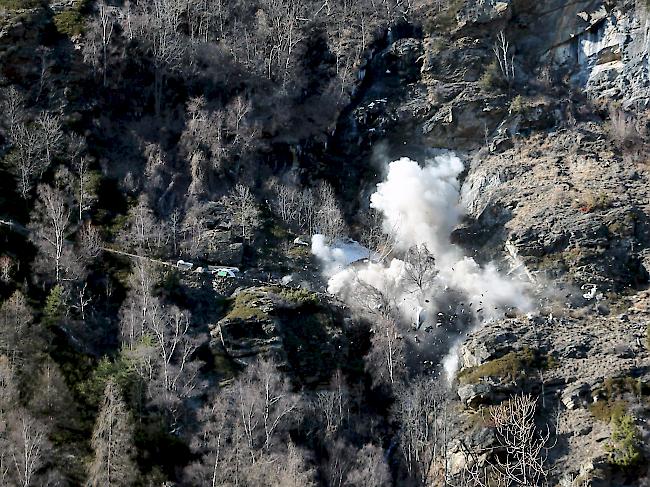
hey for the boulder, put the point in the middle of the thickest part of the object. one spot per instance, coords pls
(473, 395)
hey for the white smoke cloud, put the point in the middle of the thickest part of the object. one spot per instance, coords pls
(420, 206)
(336, 257)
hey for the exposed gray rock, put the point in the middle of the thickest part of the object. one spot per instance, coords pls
(472, 395)
(574, 396)
(484, 11)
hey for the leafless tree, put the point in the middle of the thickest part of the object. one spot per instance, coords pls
(23, 441)
(525, 447)
(45, 65)
(14, 114)
(370, 468)
(144, 233)
(244, 427)
(422, 410)
(380, 242)
(51, 136)
(174, 222)
(308, 211)
(205, 138)
(505, 57)
(50, 225)
(107, 23)
(385, 360)
(331, 407)
(15, 319)
(112, 441)
(285, 202)
(85, 191)
(420, 268)
(8, 399)
(33, 145)
(6, 268)
(172, 375)
(291, 470)
(339, 462)
(137, 307)
(193, 229)
(329, 218)
(29, 447)
(90, 242)
(51, 399)
(157, 24)
(243, 210)
(297, 208)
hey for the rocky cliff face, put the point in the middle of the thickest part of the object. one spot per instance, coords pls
(557, 189)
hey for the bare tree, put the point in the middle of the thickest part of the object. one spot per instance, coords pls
(50, 225)
(157, 23)
(26, 158)
(285, 202)
(51, 136)
(194, 229)
(107, 23)
(6, 268)
(331, 407)
(245, 426)
(525, 447)
(505, 57)
(23, 442)
(51, 399)
(243, 211)
(172, 375)
(85, 189)
(422, 410)
(339, 463)
(380, 242)
(308, 209)
(385, 360)
(112, 441)
(45, 65)
(29, 447)
(420, 268)
(329, 218)
(370, 468)
(15, 320)
(137, 307)
(144, 235)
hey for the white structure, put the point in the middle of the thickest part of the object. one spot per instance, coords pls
(223, 271)
(184, 266)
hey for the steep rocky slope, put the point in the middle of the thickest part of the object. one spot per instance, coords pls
(557, 188)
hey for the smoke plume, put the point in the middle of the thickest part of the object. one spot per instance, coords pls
(420, 207)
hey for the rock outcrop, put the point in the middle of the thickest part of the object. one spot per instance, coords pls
(307, 333)
(580, 365)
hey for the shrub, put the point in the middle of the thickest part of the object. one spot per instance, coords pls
(54, 306)
(518, 105)
(491, 78)
(244, 307)
(606, 410)
(513, 366)
(70, 22)
(625, 445)
(591, 201)
(299, 296)
(19, 4)
(622, 126)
